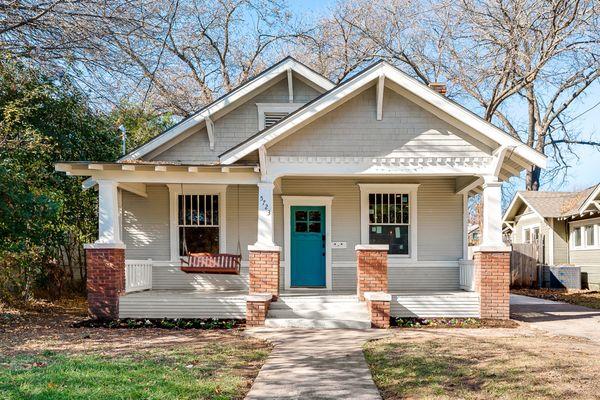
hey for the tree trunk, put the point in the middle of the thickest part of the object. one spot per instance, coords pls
(532, 180)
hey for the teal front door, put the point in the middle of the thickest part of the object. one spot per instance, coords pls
(308, 246)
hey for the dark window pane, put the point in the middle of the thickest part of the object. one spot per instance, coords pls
(371, 207)
(202, 210)
(385, 199)
(194, 207)
(198, 240)
(398, 209)
(314, 227)
(208, 206)
(396, 236)
(180, 208)
(301, 215)
(188, 210)
(314, 216)
(405, 219)
(215, 212)
(378, 208)
(300, 226)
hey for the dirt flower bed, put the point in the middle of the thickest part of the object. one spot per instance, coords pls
(483, 364)
(47, 352)
(450, 323)
(585, 298)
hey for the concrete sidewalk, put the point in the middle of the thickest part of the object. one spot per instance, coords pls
(556, 318)
(315, 364)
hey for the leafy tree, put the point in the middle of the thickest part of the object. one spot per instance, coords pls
(45, 216)
(141, 123)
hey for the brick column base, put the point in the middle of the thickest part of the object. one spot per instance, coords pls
(257, 307)
(264, 271)
(379, 305)
(492, 281)
(372, 269)
(105, 281)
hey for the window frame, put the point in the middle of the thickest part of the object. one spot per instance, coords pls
(581, 225)
(274, 108)
(530, 228)
(194, 189)
(391, 188)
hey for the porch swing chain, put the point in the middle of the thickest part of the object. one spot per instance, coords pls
(185, 251)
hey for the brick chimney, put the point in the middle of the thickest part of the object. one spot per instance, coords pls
(438, 87)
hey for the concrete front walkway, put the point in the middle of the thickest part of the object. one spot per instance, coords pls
(556, 318)
(315, 364)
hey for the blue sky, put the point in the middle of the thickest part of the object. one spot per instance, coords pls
(585, 171)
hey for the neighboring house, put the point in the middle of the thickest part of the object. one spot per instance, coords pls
(473, 235)
(568, 225)
(326, 190)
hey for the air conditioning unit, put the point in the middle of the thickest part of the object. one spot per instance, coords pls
(564, 277)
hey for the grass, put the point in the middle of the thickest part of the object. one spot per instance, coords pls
(447, 367)
(218, 372)
(585, 298)
(45, 355)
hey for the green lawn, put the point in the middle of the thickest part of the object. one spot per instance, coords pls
(438, 366)
(215, 371)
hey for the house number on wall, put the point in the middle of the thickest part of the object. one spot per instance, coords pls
(264, 205)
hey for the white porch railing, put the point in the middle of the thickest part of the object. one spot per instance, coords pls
(138, 275)
(467, 275)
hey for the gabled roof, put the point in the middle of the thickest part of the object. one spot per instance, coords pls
(553, 204)
(231, 99)
(337, 95)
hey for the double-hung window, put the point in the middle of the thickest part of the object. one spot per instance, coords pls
(198, 223)
(389, 221)
(197, 219)
(585, 235)
(531, 234)
(388, 217)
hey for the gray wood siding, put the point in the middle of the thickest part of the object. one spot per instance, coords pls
(561, 242)
(169, 276)
(439, 214)
(589, 261)
(181, 304)
(146, 224)
(352, 130)
(439, 233)
(242, 218)
(232, 128)
(430, 305)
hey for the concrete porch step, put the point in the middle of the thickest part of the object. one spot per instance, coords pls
(354, 314)
(318, 311)
(310, 323)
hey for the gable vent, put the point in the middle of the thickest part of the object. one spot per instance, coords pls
(271, 118)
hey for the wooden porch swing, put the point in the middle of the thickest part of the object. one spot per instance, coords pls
(212, 263)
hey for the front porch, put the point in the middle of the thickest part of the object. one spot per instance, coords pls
(401, 237)
(161, 290)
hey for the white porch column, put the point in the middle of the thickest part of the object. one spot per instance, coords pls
(109, 227)
(265, 234)
(492, 213)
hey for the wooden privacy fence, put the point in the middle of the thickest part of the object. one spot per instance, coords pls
(526, 261)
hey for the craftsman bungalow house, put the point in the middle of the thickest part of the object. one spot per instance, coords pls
(567, 224)
(326, 193)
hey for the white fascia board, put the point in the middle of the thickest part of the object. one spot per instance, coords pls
(418, 89)
(229, 100)
(590, 200)
(512, 204)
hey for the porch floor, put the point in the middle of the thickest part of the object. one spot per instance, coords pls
(232, 303)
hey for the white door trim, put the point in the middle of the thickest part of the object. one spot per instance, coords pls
(288, 202)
